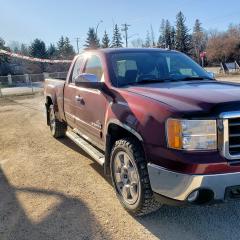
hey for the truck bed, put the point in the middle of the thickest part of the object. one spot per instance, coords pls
(55, 81)
(54, 88)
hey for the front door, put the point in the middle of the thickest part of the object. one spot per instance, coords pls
(70, 93)
(91, 105)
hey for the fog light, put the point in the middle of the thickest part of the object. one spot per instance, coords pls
(193, 196)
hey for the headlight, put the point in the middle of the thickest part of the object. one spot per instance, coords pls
(192, 134)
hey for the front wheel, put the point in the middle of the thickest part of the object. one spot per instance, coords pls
(130, 178)
(58, 129)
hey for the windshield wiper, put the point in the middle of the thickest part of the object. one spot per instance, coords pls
(143, 81)
(189, 78)
(146, 81)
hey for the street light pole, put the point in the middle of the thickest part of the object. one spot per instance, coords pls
(98, 26)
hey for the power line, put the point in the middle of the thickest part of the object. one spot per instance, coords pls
(125, 29)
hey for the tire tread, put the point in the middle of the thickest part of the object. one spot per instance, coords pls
(149, 203)
(60, 127)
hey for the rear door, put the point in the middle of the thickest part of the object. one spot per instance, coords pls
(90, 111)
(70, 92)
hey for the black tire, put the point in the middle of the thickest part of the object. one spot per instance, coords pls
(145, 202)
(58, 129)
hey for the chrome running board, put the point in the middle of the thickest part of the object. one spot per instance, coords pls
(87, 147)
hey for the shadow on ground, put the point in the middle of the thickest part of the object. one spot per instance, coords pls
(97, 167)
(206, 222)
(69, 219)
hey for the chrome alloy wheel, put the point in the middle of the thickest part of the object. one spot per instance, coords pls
(126, 177)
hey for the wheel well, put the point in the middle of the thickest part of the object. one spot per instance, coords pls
(117, 132)
(114, 133)
(48, 101)
(47, 104)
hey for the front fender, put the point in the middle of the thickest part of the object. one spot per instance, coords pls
(125, 126)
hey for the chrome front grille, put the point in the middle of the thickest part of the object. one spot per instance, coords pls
(234, 136)
(229, 135)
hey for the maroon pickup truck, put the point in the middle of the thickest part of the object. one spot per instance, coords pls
(159, 124)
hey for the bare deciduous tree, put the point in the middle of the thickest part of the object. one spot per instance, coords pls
(224, 46)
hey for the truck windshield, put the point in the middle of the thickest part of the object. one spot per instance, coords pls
(143, 67)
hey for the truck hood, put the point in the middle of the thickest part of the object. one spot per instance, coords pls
(193, 96)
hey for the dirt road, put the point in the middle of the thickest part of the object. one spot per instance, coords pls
(50, 189)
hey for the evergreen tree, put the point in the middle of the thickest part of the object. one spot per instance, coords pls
(117, 38)
(68, 48)
(198, 40)
(38, 49)
(3, 58)
(52, 51)
(182, 38)
(60, 45)
(162, 39)
(65, 49)
(152, 36)
(2, 45)
(24, 50)
(173, 32)
(147, 43)
(168, 40)
(105, 40)
(167, 35)
(92, 41)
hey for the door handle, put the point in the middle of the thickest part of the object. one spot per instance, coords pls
(79, 99)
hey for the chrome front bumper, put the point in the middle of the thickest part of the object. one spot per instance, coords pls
(178, 186)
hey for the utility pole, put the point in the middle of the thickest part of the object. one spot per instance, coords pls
(78, 40)
(125, 29)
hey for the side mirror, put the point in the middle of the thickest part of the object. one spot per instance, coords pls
(88, 80)
(211, 75)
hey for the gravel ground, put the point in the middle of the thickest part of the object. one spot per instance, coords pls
(51, 189)
(233, 78)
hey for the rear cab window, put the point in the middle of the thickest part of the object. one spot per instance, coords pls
(77, 68)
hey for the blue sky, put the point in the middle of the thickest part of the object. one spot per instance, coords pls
(24, 20)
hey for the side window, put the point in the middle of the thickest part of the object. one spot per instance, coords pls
(77, 68)
(94, 66)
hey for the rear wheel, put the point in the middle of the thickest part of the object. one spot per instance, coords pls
(130, 177)
(58, 129)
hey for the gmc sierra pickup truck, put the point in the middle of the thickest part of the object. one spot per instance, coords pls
(159, 124)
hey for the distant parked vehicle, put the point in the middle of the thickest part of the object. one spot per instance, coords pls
(230, 67)
(165, 131)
